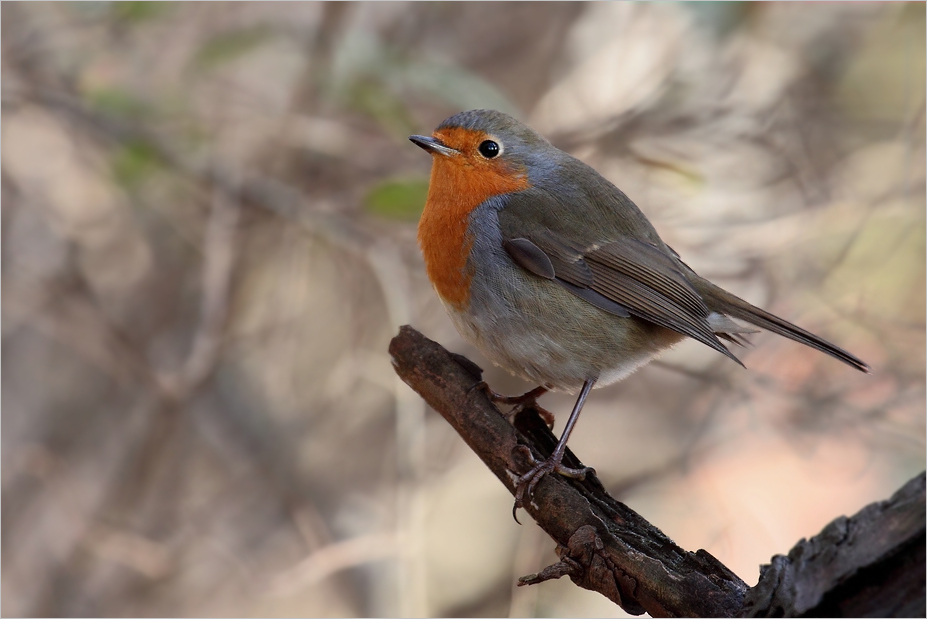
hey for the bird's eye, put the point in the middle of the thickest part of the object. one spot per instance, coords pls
(489, 149)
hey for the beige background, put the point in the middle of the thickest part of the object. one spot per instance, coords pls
(209, 238)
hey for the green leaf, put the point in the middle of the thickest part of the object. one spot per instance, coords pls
(139, 11)
(378, 80)
(114, 102)
(377, 102)
(457, 86)
(398, 199)
(134, 163)
(228, 46)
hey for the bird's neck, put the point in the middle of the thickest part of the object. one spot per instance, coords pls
(455, 191)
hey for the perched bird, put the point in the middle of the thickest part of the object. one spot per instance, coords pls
(554, 274)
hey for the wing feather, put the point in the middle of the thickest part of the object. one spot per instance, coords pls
(624, 277)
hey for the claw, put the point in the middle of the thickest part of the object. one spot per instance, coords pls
(524, 400)
(519, 402)
(524, 487)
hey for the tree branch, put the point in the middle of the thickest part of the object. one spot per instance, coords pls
(869, 565)
(603, 545)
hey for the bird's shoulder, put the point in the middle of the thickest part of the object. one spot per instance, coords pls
(575, 202)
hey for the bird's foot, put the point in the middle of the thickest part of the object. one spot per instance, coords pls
(524, 485)
(520, 402)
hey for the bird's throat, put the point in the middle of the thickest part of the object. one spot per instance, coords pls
(443, 237)
(456, 189)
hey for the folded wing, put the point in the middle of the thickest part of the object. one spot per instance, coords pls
(625, 277)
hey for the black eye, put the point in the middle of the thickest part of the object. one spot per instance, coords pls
(489, 149)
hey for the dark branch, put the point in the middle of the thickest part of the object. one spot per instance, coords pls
(869, 565)
(603, 545)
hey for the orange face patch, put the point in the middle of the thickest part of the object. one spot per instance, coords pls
(459, 184)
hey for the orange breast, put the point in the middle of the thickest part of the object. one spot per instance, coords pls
(458, 185)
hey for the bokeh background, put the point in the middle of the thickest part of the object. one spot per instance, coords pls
(208, 233)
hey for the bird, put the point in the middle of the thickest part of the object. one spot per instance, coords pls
(555, 275)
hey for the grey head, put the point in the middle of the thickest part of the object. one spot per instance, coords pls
(515, 141)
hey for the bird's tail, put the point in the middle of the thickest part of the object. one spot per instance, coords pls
(720, 300)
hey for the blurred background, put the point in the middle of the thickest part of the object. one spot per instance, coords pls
(208, 225)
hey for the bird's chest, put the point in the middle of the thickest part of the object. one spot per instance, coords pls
(457, 196)
(505, 310)
(446, 242)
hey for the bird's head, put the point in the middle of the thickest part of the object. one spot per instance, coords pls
(485, 153)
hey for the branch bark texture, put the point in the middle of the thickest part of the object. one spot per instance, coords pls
(870, 565)
(605, 546)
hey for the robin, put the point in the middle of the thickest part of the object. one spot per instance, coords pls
(554, 274)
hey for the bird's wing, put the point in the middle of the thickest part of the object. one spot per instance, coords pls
(621, 275)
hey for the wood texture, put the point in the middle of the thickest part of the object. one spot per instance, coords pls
(869, 565)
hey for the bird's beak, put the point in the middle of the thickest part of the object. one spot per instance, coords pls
(433, 145)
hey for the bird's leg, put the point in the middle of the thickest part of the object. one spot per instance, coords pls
(524, 487)
(521, 402)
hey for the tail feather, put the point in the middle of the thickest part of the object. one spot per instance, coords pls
(722, 301)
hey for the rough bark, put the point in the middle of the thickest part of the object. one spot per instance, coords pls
(871, 563)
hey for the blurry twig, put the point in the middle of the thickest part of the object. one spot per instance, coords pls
(127, 548)
(529, 551)
(231, 189)
(331, 559)
(218, 263)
